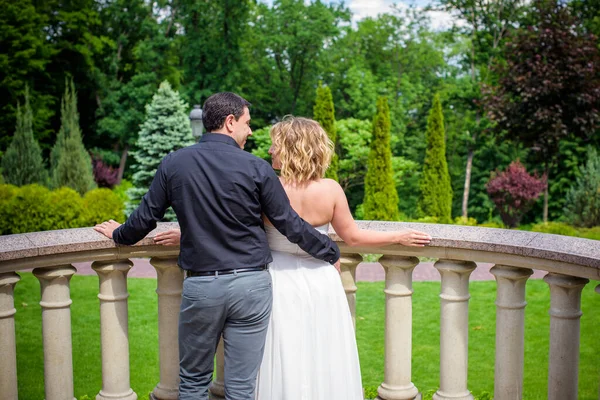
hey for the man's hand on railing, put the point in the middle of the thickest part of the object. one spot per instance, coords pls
(107, 228)
(168, 238)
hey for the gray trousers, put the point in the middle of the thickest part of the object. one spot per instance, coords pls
(237, 306)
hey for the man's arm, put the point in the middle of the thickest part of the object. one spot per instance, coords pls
(276, 206)
(152, 208)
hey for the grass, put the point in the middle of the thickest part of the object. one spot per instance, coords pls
(143, 337)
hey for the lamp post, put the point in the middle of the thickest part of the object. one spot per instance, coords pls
(196, 122)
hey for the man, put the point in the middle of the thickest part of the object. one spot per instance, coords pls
(219, 192)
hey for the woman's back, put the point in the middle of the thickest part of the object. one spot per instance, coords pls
(314, 201)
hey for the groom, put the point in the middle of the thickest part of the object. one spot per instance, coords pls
(219, 193)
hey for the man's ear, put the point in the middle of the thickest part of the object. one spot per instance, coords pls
(229, 122)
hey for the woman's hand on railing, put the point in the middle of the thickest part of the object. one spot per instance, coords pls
(168, 238)
(107, 228)
(412, 237)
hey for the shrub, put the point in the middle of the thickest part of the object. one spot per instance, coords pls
(121, 190)
(381, 197)
(590, 233)
(436, 192)
(514, 192)
(465, 221)
(104, 175)
(324, 114)
(66, 209)
(582, 207)
(30, 210)
(101, 205)
(557, 228)
(6, 194)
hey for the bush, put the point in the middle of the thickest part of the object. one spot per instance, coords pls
(104, 174)
(590, 233)
(121, 190)
(465, 221)
(101, 205)
(557, 228)
(34, 208)
(582, 207)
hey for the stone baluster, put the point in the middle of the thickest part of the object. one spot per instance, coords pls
(56, 330)
(217, 386)
(510, 331)
(8, 361)
(565, 313)
(454, 329)
(169, 288)
(349, 262)
(114, 329)
(398, 328)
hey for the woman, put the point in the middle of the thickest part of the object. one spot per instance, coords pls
(310, 351)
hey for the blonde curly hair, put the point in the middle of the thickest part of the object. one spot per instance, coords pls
(303, 147)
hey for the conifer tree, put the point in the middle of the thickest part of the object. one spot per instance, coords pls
(166, 129)
(22, 163)
(71, 163)
(324, 114)
(381, 197)
(436, 192)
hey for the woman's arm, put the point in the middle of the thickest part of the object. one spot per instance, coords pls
(346, 227)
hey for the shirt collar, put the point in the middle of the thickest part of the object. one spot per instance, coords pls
(219, 137)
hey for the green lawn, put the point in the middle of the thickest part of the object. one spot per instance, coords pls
(370, 328)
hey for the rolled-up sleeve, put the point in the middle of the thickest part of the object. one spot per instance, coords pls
(151, 210)
(277, 208)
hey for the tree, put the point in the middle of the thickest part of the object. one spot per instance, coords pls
(71, 163)
(381, 198)
(22, 163)
(166, 129)
(324, 114)
(436, 192)
(583, 199)
(549, 88)
(514, 191)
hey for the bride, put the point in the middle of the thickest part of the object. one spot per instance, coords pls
(310, 351)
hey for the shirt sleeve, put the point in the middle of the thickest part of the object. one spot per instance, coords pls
(276, 206)
(152, 208)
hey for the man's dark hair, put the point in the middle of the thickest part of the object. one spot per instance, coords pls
(218, 106)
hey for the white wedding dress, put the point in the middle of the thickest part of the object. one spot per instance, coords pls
(310, 351)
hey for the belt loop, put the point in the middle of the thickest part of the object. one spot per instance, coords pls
(216, 274)
(235, 272)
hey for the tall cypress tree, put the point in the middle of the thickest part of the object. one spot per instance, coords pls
(436, 192)
(22, 163)
(324, 114)
(381, 197)
(71, 163)
(166, 129)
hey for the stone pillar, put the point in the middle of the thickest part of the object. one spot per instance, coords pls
(8, 361)
(114, 330)
(510, 331)
(454, 329)
(217, 386)
(565, 312)
(398, 328)
(349, 263)
(169, 288)
(56, 330)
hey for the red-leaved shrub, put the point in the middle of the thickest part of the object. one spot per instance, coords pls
(104, 175)
(514, 191)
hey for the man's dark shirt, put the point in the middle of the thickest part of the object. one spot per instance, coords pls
(219, 193)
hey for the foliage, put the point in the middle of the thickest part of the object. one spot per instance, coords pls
(583, 199)
(514, 191)
(324, 114)
(33, 208)
(260, 142)
(436, 192)
(104, 175)
(354, 138)
(166, 129)
(557, 228)
(381, 198)
(549, 86)
(121, 190)
(102, 205)
(22, 163)
(71, 163)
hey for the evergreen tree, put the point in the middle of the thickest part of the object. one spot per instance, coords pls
(436, 193)
(381, 198)
(582, 207)
(166, 129)
(23, 164)
(71, 163)
(324, 114)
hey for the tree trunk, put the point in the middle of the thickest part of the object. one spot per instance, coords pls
(122, 164)
(547, 173)
(465, 202)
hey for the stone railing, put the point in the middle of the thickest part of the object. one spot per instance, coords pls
(570, 263)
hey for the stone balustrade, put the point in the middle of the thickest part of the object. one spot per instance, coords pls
(570, 263)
